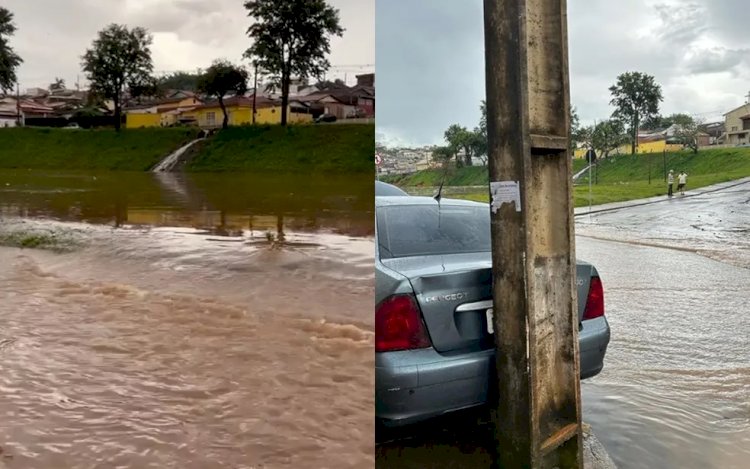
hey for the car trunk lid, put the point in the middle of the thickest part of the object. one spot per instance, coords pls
(454, 293)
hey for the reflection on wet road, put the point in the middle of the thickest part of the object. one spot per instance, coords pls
(242, 340)
(675, 391)
(715, 225)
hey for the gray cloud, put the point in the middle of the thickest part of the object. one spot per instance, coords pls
(188, 34)
(716, 60)
(681, 24)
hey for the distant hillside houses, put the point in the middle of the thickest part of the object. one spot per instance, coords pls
(406, 160)
(59, 107)
(306, 103)
(37, 103)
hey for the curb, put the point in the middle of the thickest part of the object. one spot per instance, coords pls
(582, 211)
(594, 454)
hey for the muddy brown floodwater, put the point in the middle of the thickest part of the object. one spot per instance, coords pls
(243, 344)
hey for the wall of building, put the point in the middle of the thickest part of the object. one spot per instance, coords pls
(244, 116)
(138, 120)
(734, 126)
(7, 122)
(656, 146)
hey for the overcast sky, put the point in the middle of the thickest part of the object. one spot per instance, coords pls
(430, 59)
(188, 34)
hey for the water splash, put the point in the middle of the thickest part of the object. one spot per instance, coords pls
(169, 163)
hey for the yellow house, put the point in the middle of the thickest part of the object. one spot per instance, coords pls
(644, 146)
(240, 110)
(160, 114)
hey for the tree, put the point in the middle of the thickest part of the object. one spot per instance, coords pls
(59, 84)
(479, 144)
(584, 136)
(119, 61)
(679, 119)
(636, 97)
(459, 138)
(575, 129)
(654, 123)
(688, 131)
(221, 79)
(291, 38)
(9, 60)
(660, 122)
(442, 154)
(606, 136)
(338, 83)
(180, 81)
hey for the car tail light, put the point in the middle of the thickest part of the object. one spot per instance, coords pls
(399, 325)
(595, 300)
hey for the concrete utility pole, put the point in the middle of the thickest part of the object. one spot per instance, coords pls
(538, 411)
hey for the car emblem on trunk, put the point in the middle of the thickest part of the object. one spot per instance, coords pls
(448, 297)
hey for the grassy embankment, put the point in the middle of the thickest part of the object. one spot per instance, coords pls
(620, 178)
(338, 148)
(321, 148)
(130, 150)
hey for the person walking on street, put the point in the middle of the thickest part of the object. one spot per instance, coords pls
(681, 182)
(670, 182)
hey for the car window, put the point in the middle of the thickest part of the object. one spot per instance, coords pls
(419, 230)
(383, 189)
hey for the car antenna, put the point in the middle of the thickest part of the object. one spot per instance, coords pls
(439, 194)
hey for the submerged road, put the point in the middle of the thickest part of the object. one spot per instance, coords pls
(675, 390)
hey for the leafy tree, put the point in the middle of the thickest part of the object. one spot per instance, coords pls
(688, 131)
(654, 123)
(483, 117)
(575, 129)
(636, 97)
(607, 135)
(479, 147)
(584, 136)
(223, 78)
(479, 143)
(459, 138)
(59, 84)
(660, 122)
(291, 38)
(9, 60)
(327, 84)
(180, 81)
(147, 86)
(442, 154)
(119, 61)
(680, 120)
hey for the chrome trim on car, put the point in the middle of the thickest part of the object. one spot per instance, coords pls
(477, 305)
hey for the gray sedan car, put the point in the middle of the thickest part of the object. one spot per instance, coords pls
(433, 331)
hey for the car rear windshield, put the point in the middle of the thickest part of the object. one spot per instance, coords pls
(422, 230)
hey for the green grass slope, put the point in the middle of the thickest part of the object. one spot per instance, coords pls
(336, 148)
(616, 179)
(47, 148)
(466, 176)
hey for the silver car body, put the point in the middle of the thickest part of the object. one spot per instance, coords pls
(453, 292)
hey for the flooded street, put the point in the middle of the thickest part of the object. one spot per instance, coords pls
(189, 322)
(675, 389)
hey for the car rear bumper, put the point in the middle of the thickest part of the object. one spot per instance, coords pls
(415, 385)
